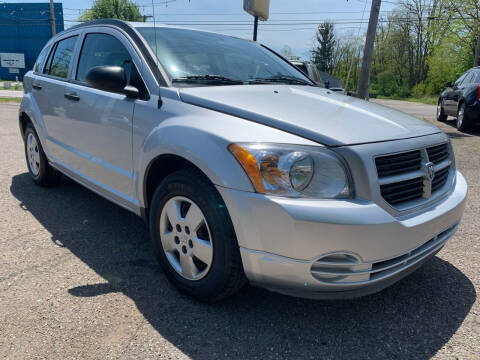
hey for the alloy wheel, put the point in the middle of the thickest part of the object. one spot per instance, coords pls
(33, 154)
(186, 238)
(460, 117)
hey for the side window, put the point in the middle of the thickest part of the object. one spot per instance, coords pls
(460, 79)
(476, 79)
(41, 58)
(469, 78)
(101, 50)
(106, 50)
(59, 60)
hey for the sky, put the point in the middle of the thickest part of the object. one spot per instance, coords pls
(291, 23)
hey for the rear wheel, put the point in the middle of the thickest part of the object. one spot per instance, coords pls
(441, 116)
(193, 237)
(40, 170)
(463, 120)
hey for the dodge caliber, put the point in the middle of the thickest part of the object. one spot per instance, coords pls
(243, 168)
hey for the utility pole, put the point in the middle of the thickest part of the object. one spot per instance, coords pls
(363, 85)
(255, 28)
(52, 18)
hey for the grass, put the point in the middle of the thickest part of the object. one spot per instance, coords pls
(10, 99)
(428, 99)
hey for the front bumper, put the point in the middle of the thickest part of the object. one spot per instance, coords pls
(336, 248)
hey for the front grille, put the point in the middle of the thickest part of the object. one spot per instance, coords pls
(398, 163)
(404, 177)
(437, 154)
(440, 179)
(402, 191)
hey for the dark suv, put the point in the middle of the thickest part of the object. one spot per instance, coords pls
(461, 99)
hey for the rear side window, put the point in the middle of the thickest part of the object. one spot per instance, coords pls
(59, 59)
(469, 78)
(41, 58)
(102, 50)
(472, 77)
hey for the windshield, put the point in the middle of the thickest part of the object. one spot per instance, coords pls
(191, 56)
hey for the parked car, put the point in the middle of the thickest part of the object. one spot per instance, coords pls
(310, 70)
(462, 100)
(242, 167)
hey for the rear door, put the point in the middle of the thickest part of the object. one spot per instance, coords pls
(461, 89)
(99, 133)
(449, 103)
(48, 85)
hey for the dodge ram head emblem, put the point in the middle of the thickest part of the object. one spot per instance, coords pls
(430, 171)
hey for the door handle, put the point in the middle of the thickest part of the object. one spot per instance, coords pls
(36, 86)
(72, 96)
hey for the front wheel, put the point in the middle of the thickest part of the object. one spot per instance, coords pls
(463, 120)
(193, 237)
(441, 116)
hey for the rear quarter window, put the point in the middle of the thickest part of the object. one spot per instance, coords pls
(40, 60)
(59, 59)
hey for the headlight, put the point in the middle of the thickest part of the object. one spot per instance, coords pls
(294, 171)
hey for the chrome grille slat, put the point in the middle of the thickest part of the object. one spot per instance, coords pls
(403, 177)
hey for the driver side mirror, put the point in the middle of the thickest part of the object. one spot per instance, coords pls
(448, 84)
(111, 78)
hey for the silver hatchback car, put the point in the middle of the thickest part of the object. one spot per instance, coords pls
(244, 169)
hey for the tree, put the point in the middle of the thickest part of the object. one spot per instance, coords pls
(322, 54)
(468, 17)
(112, 9)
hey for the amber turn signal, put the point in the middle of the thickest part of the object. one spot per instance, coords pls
(249, 164)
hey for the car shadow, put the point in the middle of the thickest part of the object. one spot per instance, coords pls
(474, 131)
(412, 319)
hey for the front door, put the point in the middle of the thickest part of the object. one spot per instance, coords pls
(100, 122)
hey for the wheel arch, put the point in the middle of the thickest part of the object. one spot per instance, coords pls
(23, 121)
(158, 169)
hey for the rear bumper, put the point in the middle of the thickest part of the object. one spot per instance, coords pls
(336, 249)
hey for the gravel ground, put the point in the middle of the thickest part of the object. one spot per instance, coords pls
(77, 280)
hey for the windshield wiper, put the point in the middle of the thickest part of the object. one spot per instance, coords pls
(210, 79)
(280, 79)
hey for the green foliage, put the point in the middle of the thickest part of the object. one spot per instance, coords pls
(419, 90)
(322, 54)
(444, 65)
(112, 9)
(424, 44)
(386, 84)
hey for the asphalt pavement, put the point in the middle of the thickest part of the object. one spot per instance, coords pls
(78, 281)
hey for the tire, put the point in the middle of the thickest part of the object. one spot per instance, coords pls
(42, 173)
(217, 270)
(441, 116)
(463, 119)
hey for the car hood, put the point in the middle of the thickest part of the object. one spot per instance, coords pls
(313, 113)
